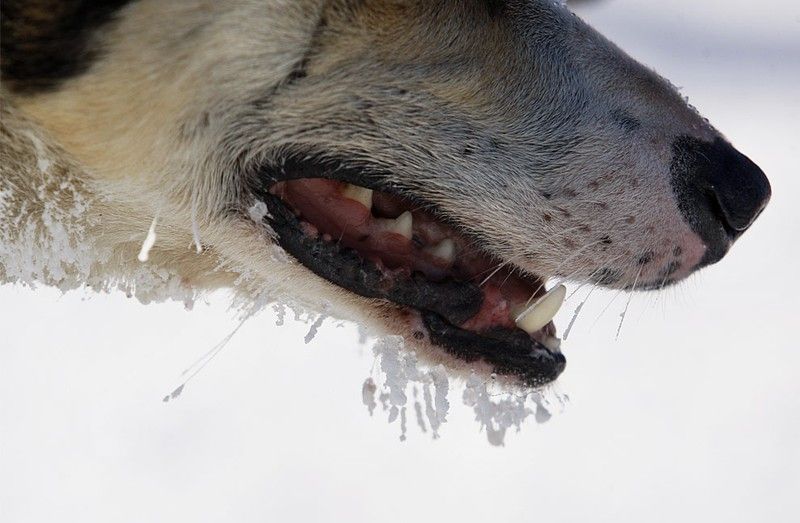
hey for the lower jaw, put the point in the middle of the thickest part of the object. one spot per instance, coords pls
(510, 353)
(440, 306)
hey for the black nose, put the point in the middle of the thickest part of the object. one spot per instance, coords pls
(720, 192)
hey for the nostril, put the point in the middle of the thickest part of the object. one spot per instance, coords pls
(741, 189)
(719, 212)
(719, 191)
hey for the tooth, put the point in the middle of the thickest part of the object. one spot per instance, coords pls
(445, 250)
(552, 343)
(401, 225)
(542, 311)
(360, 194)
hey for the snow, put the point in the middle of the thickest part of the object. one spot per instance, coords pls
(258, 211)
(43, 161)
(499, 411)
(320, 319)
(402, 372)
(495, 411)
(153, 285)
(54, 250)
(368, 390)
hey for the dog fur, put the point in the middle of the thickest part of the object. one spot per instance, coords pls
(513, 119)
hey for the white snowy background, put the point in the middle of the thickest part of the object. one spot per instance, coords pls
(693, 414)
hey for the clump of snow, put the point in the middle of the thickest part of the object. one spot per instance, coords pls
(403, 424)
(314, 328)
(497, 406)
(402, 371)
(368, 390)
(150, 284)
(280, 313)
(258, 211)
(498, 412)
(43, 239)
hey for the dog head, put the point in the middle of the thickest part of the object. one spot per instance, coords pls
(441, 159)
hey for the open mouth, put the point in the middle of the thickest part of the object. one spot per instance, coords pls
(381, 244)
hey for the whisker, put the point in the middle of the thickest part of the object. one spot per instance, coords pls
(498, 268)
(560, 265)
(627, 304)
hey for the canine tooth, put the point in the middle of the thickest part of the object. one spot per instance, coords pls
(445, 250)
(359, 194)
(402, 224)
(542, 311)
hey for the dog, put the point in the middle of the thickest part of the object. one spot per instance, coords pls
(422, 167)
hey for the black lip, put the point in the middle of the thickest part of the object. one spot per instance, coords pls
(509, 352)
(442, 305)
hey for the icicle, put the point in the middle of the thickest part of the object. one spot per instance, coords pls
(196, 229)
(403, 424)
(196, 234)
(418, 411)
(312, 331)
(368, 390)
(149, 241)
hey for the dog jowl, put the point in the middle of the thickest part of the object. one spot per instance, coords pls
(431, 164)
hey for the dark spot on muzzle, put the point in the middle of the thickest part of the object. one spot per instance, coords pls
(645, 258)
(719, 191)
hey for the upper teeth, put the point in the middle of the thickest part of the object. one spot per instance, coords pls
(359, 194)
(401, 225)
(542, 311)
(445, 250)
